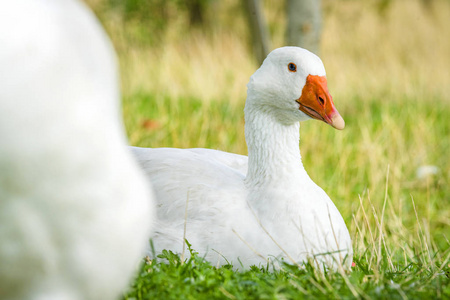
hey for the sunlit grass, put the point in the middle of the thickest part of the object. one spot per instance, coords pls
(398, 222)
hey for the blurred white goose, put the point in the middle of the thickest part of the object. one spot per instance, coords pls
(75, 208)
(271, 209)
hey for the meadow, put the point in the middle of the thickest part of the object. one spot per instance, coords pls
(388, 69)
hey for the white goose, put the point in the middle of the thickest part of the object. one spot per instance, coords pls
(75, 209)
(271, 209)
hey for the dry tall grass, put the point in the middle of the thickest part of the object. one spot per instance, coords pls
(402, 51)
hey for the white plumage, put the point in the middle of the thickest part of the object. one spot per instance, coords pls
(75, 210)
(246, 210)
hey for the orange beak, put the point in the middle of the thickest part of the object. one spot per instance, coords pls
(317, 103)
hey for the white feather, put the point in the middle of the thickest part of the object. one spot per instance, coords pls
(75, 210)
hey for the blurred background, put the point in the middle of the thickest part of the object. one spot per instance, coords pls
(202, 48)
(185, 66)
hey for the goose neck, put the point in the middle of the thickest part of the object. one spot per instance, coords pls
(273, 149)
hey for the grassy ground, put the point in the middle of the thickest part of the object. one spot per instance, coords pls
(399, 223)
(197, 279)
(388, 68)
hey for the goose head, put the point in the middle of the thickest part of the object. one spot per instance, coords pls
(291, 84)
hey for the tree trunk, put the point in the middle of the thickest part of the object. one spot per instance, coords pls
(258, 29)
(196, 12)
(304, 24)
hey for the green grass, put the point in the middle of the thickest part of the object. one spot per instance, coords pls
(170, 278)
(398, 223)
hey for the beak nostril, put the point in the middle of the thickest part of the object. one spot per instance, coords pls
(322, 101)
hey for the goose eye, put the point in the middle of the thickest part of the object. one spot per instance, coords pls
(292, 67)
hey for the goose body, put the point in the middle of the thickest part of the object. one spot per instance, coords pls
(75, 209)
(245, 210)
